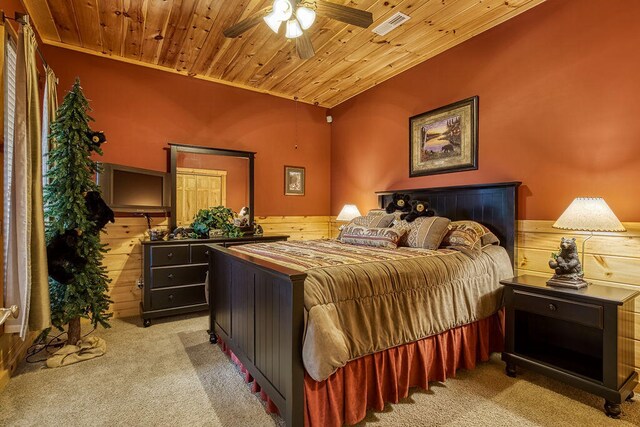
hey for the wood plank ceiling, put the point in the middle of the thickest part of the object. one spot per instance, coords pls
(185, 36)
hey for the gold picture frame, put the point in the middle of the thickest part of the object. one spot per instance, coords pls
(444, 140)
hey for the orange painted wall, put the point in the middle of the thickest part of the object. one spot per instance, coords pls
(141, 110)
(559, 90)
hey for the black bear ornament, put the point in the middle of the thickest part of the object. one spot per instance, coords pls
(99, 212)
(399, 202)
(62, 256)
(97, 139)
(418, 209)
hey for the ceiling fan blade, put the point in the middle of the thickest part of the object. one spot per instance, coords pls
(304, 46)
(346, 14)
(246, 24)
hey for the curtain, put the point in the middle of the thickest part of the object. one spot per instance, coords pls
(49, 111)
(3, 40)
(27, 277)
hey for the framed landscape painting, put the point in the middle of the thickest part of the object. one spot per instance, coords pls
(445, 139)
(294, 181)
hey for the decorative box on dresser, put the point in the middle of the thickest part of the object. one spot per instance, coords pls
(175, 271)
(582, 337)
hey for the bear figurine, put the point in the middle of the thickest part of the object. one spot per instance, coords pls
(96, 138)
(62, 255)
(566, 263)
(418, 209)
(399, 202)
(99, 213)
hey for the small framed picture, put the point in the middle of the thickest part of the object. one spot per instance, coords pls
(294, 181)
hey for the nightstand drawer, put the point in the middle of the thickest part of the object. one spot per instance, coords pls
(558, 308)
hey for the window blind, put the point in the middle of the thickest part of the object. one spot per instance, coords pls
(9, 119)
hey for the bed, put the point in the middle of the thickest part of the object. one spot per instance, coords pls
(286, 312)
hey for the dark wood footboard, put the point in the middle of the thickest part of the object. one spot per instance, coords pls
(257, 308)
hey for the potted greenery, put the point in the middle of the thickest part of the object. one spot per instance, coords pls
(215, 218)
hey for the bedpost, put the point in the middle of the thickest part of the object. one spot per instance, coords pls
(294, 414)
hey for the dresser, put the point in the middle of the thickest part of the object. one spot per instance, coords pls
(583, 337)
(175, 271)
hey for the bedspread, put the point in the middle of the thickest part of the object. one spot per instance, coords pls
(361, 300)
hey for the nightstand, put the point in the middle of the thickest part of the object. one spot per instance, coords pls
(581, 337)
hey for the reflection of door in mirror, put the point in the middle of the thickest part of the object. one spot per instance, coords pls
(198, 189)
(206, 179)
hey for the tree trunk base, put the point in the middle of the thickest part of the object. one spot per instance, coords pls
(74, 332)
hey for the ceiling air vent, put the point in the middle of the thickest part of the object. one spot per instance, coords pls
(394, 21)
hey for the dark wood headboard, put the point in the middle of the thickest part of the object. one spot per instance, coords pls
(493, 205)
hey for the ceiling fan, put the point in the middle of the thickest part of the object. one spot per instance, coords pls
(298, 16)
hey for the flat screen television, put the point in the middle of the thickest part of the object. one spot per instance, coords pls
(127, 189)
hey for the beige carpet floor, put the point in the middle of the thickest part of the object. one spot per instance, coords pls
(169, 374)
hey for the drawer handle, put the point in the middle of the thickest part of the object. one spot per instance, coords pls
(552, 307)
(170, 255)
(171, 297)
(206, 252)
(170, 276)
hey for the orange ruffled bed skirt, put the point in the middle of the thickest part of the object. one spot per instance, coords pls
(371, 381)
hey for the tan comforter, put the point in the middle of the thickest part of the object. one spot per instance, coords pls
(361, 300)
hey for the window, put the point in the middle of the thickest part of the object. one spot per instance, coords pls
(9, 117)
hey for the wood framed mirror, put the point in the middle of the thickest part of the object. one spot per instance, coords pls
(204, 177)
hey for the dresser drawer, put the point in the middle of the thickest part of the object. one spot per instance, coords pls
(177, 276)
(169, 255)
(199, 254)
(177, 297)
(558, 308)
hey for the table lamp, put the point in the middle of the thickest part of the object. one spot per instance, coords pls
(583, 214)
(348, 213)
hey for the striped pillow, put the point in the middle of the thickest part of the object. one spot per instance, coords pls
(424, 232)
(373, 220)
(367, 236)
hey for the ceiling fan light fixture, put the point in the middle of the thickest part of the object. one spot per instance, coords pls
(293, 29)
(306, 17)
(273, 21)
(282, 9)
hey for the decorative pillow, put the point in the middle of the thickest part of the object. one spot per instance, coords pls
(376, 212)
(366, 236)
(469, 237)
(468, 226)
(424, 232)
(374, 220)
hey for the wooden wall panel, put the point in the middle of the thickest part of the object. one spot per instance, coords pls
(297, 227)
(124, 262)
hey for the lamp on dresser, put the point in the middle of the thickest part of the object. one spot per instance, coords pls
(590, 214)
(348, 213)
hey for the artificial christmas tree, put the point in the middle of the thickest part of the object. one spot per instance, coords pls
(70, 177)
